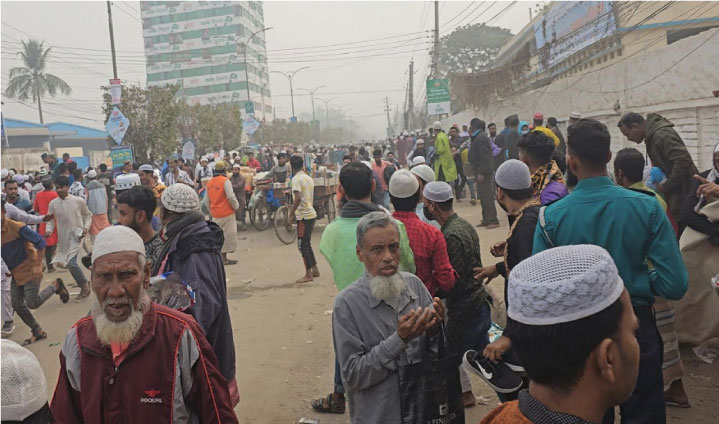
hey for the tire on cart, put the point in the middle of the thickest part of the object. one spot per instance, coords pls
(283, 227)
(260, 214)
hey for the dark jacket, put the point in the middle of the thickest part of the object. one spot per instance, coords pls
(668, 152)
(696, 221)
(195, 254)
(168, 373)
(507, 141)
(562, 148)
(480, 154)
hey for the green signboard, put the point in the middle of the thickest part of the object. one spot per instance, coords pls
(438, 101)
(249, 108)
(120, 154)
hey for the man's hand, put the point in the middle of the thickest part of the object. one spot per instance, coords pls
(706, 187)
(48, 234)
(489, 272)
(414, 323)
(36, 272)
(480, 178)
(494, 350)
(48, 217)
(84, 232)
(497, 250)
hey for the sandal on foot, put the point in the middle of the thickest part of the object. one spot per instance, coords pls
(35, 337)
(329, 405)
(678, 405)
(84, 292)
(61, 291)
(230, 262)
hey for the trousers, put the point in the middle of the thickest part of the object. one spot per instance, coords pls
(7, 311)
(485, 192)
(76, 272)
(476, 337)
(647, 402)
(28, 296)
(304, 241)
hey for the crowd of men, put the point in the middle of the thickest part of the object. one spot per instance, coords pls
(592, 265)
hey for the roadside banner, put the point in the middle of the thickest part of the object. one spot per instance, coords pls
(115, 91)
(117, 125)
(188, 149)
(438, 96)
(120, 154)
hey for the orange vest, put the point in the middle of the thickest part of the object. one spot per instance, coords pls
(219, 205)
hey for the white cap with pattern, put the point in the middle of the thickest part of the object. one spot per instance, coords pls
(180, 198)
(563, 284)
(24, 387)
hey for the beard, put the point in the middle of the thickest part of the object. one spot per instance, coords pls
(122, 332)
(387, 288)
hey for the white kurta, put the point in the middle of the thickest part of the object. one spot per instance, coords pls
(71, 217)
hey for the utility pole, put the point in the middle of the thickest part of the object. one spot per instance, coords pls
(327, 111)
(410, 111)
(389, 124)
(112, 41)
(312, 97)
(244, 59)
(436, 39)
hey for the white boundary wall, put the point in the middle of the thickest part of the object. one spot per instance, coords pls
(641, 83)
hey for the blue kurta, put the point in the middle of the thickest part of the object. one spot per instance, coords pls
(630, 225)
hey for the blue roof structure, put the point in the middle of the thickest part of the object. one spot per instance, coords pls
(80, 131)
(19, 123)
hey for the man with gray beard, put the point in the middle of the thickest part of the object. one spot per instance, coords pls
(380, 323)
(140, 362)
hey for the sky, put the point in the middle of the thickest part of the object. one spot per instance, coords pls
(360, 52)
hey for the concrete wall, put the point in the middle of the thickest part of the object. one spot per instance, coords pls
(676, 82)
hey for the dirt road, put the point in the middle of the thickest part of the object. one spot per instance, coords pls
(283, 334)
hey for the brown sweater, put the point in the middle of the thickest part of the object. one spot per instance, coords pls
(506, 413)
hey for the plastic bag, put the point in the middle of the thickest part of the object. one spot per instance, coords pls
(169, 290)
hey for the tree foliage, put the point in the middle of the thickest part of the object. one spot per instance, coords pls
(31, 81)
(471, 48)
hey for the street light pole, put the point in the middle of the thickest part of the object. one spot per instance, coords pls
(289, 76)
(244, 58)
(327, 111)
(312, 98)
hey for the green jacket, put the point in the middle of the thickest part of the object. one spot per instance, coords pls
(668, 152)
(339, 247)
(443, 159)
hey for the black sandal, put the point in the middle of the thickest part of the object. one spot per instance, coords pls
(329, 405)
(61, 291)
(35, 338)
(84, 292)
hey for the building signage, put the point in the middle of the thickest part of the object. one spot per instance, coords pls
(120, 154)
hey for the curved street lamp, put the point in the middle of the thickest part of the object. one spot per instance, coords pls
(289, 76)
(244, 56)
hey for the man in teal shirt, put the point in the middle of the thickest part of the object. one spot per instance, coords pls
(633, 228)
(339, 247)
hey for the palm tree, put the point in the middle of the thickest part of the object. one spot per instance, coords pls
(32, 80)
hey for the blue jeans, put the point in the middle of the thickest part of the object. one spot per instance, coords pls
(471, 182)
(76, 272)
(476, 336)
(385, 199)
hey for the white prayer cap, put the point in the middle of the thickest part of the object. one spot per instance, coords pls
(204, 159)
(180, 198)
(563, 284)
(438, 191)
(237, 165)
(126, 181)
(146, 167)
(117, 238)
(10, 173)
(424, 172)
(405, 133)
(575, 115)
(403, 184)
(437, 125)
(19, 178)
(24, 388)
(91, 174)
(4, 173)
(418, 160)
(513, 174)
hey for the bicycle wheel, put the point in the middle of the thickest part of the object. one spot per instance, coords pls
(261, 214)
(283, 226)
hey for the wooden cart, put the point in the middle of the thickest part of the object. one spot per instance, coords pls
(323, 202)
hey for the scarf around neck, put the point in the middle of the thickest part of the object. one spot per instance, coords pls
(544, 175)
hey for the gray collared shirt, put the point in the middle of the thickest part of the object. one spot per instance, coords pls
(369, 350)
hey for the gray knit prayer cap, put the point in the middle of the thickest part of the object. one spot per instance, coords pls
(424, 172)
(180, 198)
(403, 184)
(513, 175)
(438, 191)
(563, 284)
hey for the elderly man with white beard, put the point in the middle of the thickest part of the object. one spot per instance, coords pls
(132, 360)
(380, 323)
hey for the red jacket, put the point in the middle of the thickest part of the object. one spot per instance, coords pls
(169, 374)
